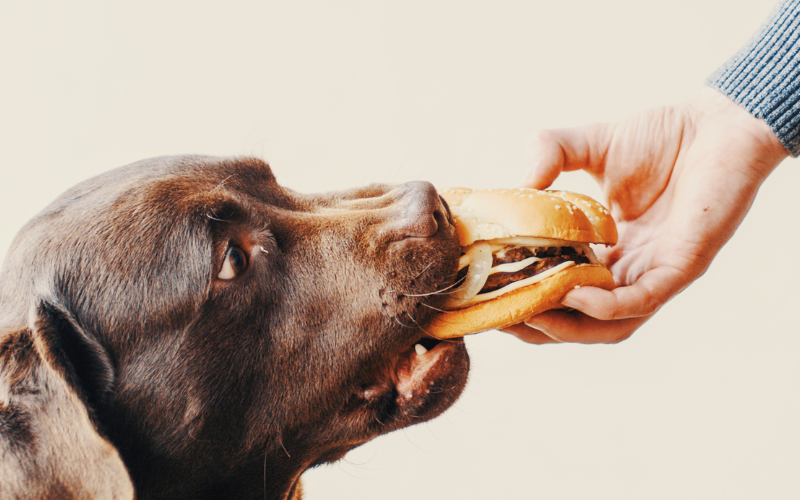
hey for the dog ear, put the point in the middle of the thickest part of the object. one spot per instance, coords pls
(50, 445)
(78, 357)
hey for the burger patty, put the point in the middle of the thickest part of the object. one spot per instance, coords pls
(551, 257)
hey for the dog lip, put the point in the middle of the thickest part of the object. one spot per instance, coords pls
(413, 368)
(409, 373)
(413, 375)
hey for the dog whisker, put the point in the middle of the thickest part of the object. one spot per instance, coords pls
(425, 304)
(280, 441)
(401, 323)
(425, 269)
(221, 184)
(266, 454)
(412, 319)
(440, 291)
(419, 326)
(215, 216)
(436, 436)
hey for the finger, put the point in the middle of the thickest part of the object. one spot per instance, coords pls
(549, 152)
(643, 298)
(576, 327)
(529, 335)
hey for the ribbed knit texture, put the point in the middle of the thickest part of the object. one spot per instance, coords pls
(764, 76)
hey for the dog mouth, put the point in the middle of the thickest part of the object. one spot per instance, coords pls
(414, 373)
(416, 385)
(416, 377)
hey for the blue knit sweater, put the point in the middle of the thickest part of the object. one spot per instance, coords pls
(764, 76)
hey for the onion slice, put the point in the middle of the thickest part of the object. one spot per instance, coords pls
(512, 267)
(479, 258)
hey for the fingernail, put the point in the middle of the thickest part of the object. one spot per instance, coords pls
(534, 324)
(527, 178)
(571, 302)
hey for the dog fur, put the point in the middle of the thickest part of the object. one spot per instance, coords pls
(133, 365)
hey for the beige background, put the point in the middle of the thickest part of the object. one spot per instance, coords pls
(701, 403)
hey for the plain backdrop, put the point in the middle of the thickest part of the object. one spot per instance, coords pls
(702, 402)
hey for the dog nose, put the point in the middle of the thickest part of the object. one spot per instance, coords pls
(422, 212)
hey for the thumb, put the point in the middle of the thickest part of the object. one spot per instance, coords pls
(549, 152)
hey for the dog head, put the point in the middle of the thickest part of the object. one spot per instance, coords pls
(227, 333)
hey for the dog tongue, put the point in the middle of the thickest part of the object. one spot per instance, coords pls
(412, 371)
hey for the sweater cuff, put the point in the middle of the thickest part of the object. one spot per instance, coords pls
(764, 76)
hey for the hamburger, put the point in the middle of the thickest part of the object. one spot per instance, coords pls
(522, 250)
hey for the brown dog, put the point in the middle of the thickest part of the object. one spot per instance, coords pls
(184, 327)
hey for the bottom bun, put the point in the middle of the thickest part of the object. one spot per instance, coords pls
(518, 305)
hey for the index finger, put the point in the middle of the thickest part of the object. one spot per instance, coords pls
(549, 152)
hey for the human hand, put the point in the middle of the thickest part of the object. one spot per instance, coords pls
(678, 180)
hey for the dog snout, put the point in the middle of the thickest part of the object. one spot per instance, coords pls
(422, 211)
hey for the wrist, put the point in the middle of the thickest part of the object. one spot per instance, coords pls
(716, 109)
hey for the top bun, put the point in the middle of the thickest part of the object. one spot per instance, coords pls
(505, 213)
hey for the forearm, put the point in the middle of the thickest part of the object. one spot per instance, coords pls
(764, 76)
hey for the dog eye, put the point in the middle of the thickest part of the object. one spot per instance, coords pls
(235, 262)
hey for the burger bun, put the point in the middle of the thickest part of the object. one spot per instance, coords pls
(518, 305)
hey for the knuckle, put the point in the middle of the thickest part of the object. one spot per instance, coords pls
(651, 305)
(609, 311)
